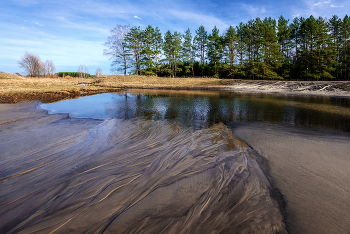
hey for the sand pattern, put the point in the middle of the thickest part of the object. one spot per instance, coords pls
(132, 176)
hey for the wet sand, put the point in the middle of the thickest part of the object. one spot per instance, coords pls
(64, 175)
(311, 168)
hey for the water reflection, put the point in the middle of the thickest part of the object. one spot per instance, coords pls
(203, 109)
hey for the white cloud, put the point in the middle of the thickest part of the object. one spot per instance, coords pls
(295, 16)
(318, 4)
(39, 24)
(334, 6)
(327, 2)
(136, 17)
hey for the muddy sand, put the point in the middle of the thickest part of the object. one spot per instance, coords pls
(64, 175)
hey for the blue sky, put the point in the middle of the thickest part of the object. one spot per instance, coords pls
(72, 32)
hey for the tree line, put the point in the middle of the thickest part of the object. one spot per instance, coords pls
(35, 67)
(304, 49)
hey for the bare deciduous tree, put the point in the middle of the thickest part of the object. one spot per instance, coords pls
(98, 72)
(117, 49)
(50, 68)
(82, 71)
(32, 64)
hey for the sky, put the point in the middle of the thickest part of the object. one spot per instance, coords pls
(71, 33)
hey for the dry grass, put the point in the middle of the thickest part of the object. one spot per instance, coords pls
(158, 82)
(15, 88)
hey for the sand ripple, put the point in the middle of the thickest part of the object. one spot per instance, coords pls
(138, 176)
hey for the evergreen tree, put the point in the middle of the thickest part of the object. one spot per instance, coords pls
(295, 35)
(308, 31)
(325, 53)
(271, 54)
(134, 44)
(230, 44)
(215, 49)
(172, 49)
(284, 40)
(147, 52)
(250, 44)
(241, 49)
(345, 51)
(188, 50)
(334, 28)
(201, 45)
(158, 44)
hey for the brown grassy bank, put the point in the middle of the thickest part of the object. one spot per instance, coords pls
(17, 88)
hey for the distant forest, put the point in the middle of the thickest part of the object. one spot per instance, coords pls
(304, 49)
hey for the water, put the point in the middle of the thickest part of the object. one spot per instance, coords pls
(203, 109)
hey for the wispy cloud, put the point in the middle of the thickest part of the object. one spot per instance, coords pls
(334, 6)
(136, 17)
(318, 4)
(37, 23)
(326, 2)
(295, 16)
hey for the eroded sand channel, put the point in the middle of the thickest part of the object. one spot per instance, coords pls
(63, 175)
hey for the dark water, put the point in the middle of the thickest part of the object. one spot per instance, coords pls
(203, 109)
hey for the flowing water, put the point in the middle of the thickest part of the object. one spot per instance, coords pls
(159, 162)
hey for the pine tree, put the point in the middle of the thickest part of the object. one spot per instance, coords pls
(271, 54)
(172, 47)
(188, 50)
(241, 49)
(215, 49)
(334, 28)
(177, 51)
(158, 44)
(345, 51)
(284, 40)
(308, 31)
(325, 54)
(134, 43)
(295, 35)
(230, 44)
(201, 45)
(147, 52)
(249, 41)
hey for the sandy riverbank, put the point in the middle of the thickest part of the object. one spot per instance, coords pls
(66, 175)
(311, 169)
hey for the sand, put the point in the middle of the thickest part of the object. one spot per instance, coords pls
(311, 168)
(64, 175)
(310, 88)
